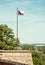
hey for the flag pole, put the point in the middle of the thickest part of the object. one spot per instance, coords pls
(17, 25)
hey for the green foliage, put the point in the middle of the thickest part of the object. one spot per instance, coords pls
(2, 45)
(32, 47)
(26, 47)
(7, 39)
(35, 54)
(37, 61)
(7, 47)
(43, 50)
(37, 58)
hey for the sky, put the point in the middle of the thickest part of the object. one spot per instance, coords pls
(31, 26)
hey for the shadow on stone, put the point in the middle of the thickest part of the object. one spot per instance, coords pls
(5, 62)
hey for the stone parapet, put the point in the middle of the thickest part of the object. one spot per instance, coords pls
(20, 56)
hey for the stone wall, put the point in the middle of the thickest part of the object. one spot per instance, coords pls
(21, 56)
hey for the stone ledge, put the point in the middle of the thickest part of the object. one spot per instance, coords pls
(15, 51)
(19, 56)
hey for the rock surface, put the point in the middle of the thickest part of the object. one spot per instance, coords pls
(19, 56)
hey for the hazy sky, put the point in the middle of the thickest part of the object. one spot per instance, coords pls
(31, 25)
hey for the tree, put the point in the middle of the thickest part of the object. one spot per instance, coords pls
(37, 58)
(7, 39)
(26, 47)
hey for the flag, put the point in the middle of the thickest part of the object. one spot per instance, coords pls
(20, 12)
